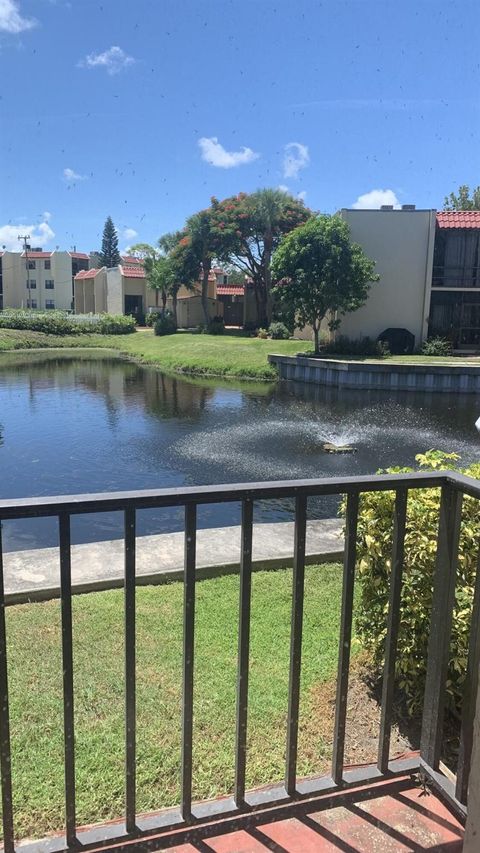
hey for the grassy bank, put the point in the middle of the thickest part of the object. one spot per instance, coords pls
(36, 705)
(231, 356)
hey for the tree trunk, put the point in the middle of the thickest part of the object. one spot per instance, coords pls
(267, 259)
(316, 330)
(174, 306)
(206, 265)
(263, 307)
(156, 297)
(164, 301)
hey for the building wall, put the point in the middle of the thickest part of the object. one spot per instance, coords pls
(15, 292)
(114, 291)
(190, 311)
(401, 242)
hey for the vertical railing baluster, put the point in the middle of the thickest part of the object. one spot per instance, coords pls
(130, 674)
(441, 624)
(296, 643)
(5, 754)
(469, 697)
(67, 662)
(243, 650)
(393, 624)
(349, 560)
(188, 659)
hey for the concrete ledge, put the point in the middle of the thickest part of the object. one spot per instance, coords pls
(389, 376)
(34, 575)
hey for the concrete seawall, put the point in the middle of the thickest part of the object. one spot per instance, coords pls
(35, 575)
(461, 379)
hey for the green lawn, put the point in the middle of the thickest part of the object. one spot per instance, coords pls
(35, 674)
(231, 356)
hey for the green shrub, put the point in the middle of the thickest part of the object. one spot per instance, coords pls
(151, 319)
(50, 322)
(165, 324)
(59, 323)
(216, 326)
(262, 333)
(360, 346)
(373, 572)
(437, 346)
(278, 331)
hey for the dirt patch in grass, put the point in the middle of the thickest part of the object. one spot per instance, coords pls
(363, 720)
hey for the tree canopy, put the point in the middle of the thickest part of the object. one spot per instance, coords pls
(463, 200)
(109, 255)
(248, 228)
(321, 273)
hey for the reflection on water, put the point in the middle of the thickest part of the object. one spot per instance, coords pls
(77, 425)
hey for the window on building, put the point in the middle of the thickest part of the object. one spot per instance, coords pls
(49, 303)
(48, 265)
(32, 303)
(32, 265)
(32, 284)
(49, 284)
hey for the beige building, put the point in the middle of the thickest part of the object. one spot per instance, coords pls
(123, 290)
(429, 267)
(38, 279)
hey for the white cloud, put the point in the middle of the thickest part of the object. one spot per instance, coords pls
(40, 234)
(301, 195)
(72, 175)
(215, 154)
(130, 233)
(375, 198)
(11, 21)
(113, 60)
(295, 157)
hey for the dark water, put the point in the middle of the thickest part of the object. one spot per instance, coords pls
(76, 425)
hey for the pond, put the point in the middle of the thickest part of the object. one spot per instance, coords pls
(71, 424)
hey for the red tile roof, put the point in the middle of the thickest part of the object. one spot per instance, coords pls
(81, 256)
(34, 256)
(230, 289)
(129, 271)
(88, 273)
(131, 260)
(458, 219)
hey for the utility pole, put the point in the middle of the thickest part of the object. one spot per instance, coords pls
(26, 237)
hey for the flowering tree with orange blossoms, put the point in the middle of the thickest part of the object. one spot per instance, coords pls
(246, 230)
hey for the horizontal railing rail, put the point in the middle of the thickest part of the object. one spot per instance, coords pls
(453, 488)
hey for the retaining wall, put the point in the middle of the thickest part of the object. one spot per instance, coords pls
(389, 376)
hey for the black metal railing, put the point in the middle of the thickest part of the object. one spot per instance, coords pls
(453, 487)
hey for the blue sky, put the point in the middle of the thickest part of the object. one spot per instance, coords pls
(143, 110)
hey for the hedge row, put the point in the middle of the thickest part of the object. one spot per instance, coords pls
(58, 323)
(373, 573)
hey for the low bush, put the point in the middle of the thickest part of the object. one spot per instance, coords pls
(373, 572)
(437, 346)
(165, 324)
(360, 346)
(216, 326)
(151, 318)
(50, 322)
(262, 333)
(278, 331)
(58, 323)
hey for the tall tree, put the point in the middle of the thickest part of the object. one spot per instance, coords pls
(109, 254)
(200, 243)
(249, 227)
(159, 270)
(463, 200)
(321, 273)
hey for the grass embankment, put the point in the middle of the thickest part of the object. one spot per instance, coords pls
(35, 673)
(231, 356)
